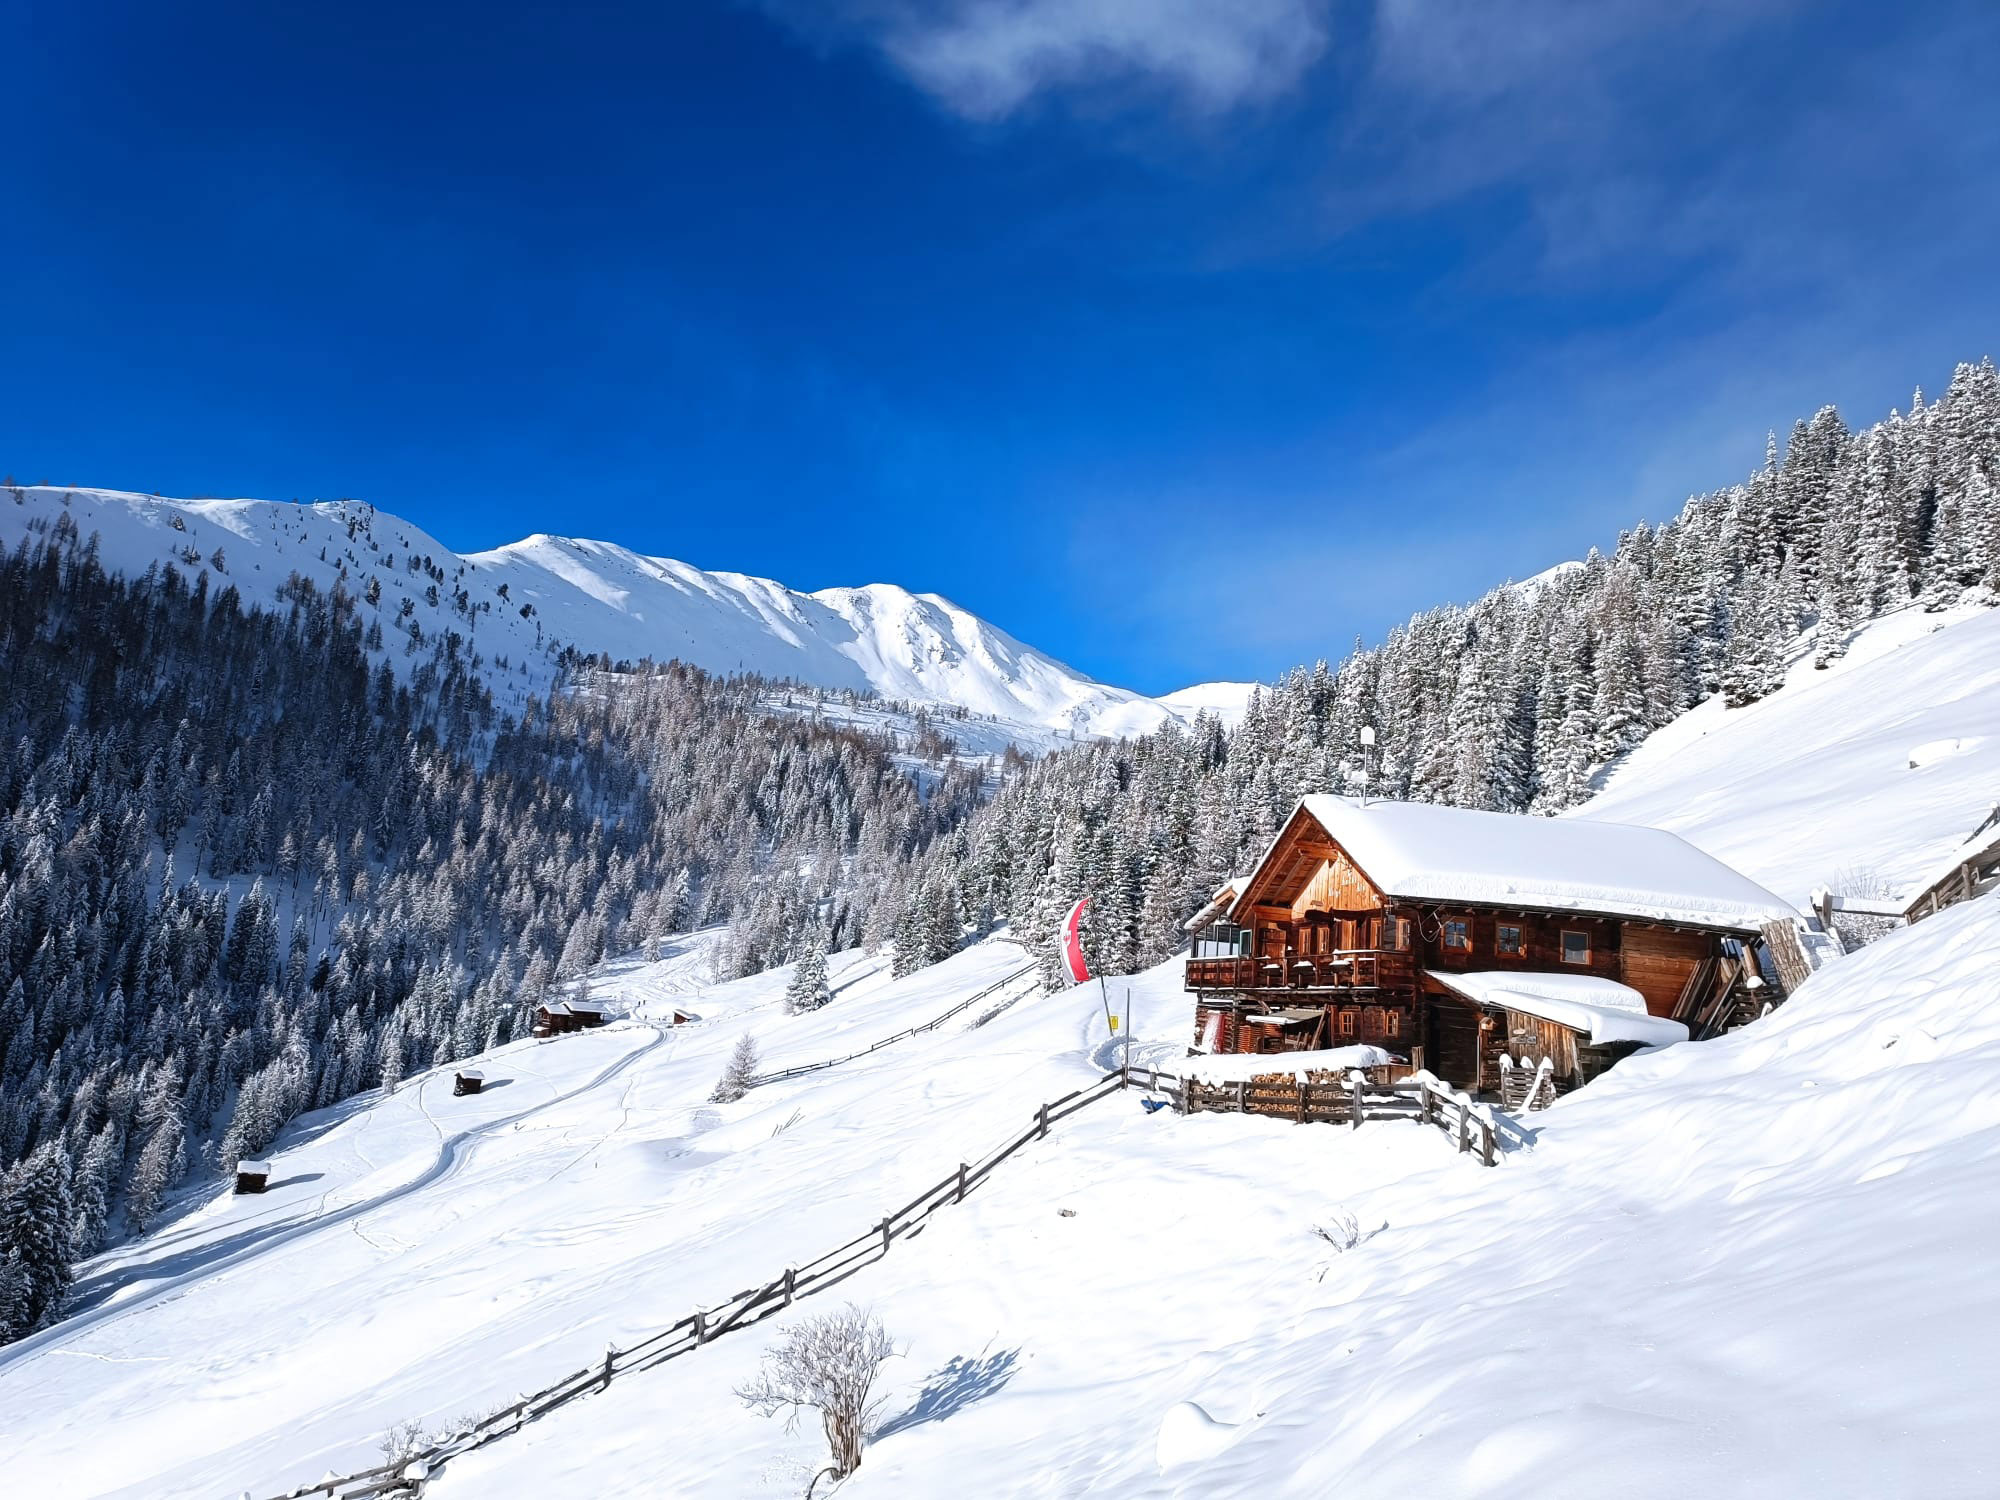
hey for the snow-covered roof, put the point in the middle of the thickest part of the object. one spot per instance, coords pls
(1422, 852)
(1241, 1067)
(573, 1007)
(254, 1168)
(1603, 1009)
(1218, 905)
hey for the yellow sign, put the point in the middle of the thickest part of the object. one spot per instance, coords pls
(1114, 1023)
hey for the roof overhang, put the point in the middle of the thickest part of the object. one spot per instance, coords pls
(1600, 1010)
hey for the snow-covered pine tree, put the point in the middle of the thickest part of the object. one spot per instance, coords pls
(738, 1074)
(35, 1238)
(808, 989)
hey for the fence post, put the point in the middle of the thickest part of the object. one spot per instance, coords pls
(1042, 1119)
(1187, 1096)
(886, 1223)
(1464, 1126)
(1154, 1074)
(1425, 1107)
(791, 1283)
(1125, 1075)
(1302, 1103)
(608, 1352)
(1354, 1101)
(961, 1182)
(1486, 1140)
(700, 1326)
(1242, 1097)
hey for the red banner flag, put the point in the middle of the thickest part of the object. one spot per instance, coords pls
(1073, 959)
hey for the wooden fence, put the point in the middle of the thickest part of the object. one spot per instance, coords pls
(902, 1036)
(407, 1476)
(1420, 1096)
(1351, 1100)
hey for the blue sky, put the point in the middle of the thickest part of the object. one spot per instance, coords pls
(1186, 339)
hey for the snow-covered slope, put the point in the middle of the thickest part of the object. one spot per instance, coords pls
(1748, 1267)
(520, 601)
(1228, 701)
(1864, 773)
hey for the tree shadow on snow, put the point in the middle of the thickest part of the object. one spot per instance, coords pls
(952, 1389)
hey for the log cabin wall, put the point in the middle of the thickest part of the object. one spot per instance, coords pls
(1657, 961)
(1541, 942)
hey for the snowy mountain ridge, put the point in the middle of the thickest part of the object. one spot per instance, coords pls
(520, 603)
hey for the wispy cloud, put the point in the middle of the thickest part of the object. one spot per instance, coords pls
(986, 59)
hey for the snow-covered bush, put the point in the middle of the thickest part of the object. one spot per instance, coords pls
(826, 1364)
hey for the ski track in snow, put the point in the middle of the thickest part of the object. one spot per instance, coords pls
(110, 1304)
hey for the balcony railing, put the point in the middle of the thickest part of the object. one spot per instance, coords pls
(1347, 969)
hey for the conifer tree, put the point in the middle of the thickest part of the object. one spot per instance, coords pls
(35, 1237)
(808, 988)
(739, 1074)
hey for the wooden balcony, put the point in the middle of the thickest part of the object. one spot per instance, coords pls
(1350, 969)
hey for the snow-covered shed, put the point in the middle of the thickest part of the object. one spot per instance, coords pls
(554, 1017)
(252, 1176)
(1401, 925)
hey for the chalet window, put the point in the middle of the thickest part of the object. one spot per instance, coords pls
(1509, 941)
(1395, 934)
(1459, 936)
(1395, 1023)
(1222, 940)
(1347, 1023)
(1576, 947)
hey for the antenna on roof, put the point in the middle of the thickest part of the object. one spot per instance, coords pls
(1367, 771)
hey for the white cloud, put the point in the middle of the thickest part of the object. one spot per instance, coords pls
(985, 59)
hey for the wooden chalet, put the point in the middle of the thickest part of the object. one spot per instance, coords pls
(556, 1017)
(1452, 938)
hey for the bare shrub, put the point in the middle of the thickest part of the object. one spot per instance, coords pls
(826, 1364)
(1342, 1231)
(741, 1073)
(1863, 881)
(404, 1441)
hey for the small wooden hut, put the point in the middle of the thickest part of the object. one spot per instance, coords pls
(468, 1081)
(252, 1176)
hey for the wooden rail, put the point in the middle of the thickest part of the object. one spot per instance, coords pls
(902, 1036)
(1352, 1100)
(407, 1476)
(1348, 969)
